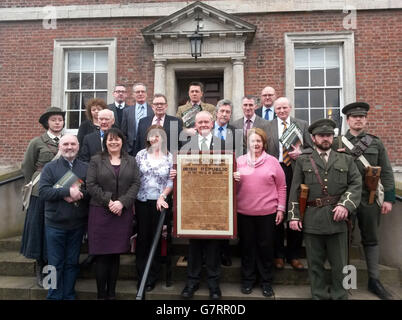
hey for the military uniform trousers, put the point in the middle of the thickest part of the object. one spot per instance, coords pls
(368, 218)
(320, 247)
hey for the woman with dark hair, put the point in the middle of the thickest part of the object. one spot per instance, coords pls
(261, 202)
(40, 151)
(113, 182)
(154, 163)
(91, 124)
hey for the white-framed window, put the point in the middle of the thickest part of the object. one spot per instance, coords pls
(85, 78)
(82, 69)
(320, 74)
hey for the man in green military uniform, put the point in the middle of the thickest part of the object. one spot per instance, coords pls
(188, 111)
(368, 215)
(334, 193)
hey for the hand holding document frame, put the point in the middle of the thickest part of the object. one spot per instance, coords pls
(291, 136)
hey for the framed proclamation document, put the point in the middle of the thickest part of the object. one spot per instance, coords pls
(205, 197)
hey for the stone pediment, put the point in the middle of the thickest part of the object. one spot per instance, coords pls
(214, 23)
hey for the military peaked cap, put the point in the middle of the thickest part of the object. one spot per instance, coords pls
(322, 126)
(356, 109)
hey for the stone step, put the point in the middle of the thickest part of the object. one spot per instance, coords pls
(179, 247)
(25, 288)
(14, 264)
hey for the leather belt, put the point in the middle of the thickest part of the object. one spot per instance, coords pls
(325, 201)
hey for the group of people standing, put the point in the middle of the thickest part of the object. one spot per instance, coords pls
(123, 158)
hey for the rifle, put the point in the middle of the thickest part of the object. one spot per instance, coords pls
(303, 199)
(371, 178)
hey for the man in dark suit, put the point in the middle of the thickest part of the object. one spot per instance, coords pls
(172, 125)
(119, 104)
(267, 112)
(204, 140)
(92, 143)
(287, 158)
(249, 120)
(133, 115)
(223, 130)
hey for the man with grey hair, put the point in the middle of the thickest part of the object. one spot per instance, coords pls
(93, 142)
(66, 215)
(287, 159)
(249, 120)
(133, 115)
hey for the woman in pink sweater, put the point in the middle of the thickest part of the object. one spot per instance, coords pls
(261, 202)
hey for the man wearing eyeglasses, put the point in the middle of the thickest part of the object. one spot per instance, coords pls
(268, 97)
(120, 96)
(132, 115)
(172, 125)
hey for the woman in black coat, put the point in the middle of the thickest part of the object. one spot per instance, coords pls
(113, 182)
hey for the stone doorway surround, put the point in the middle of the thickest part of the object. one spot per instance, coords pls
(223, 49)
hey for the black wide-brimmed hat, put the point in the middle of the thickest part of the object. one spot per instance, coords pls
(49, 112)
(323, 126)
(356, 109)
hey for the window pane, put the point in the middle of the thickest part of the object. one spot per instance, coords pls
(73, 100)
(301, 98)
(73, 120)
(73, 61)
(335, 115)
(83, 116)
(316, 114)
(101, 81)
(317, 78)
(86, 96)
(301, 114)
(332, 98)
(87, 61)
(317, 58)
(87, 81)
(102, 95)
(301, 78)
(317, 98)
(333, 77)
(73, 81)
(101, 61)
(332, 57)
(301, 58)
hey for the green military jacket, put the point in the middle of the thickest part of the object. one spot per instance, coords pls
(376, 155)
(204, 106)
(340, 177)
(40, 151)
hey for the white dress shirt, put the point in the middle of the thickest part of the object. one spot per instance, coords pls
(208, 141)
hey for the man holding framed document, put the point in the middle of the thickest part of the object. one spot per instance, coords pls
(206, 178)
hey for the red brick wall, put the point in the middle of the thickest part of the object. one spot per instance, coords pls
(26, 57)
(42, 3)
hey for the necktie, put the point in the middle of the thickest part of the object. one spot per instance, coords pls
(158, 121)
(220, 135)
(267, 114)
(56, 139)
(248, 126)
(119, 106)
(141, 112)
(323, 156)
(285, 153)
(204, 146)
